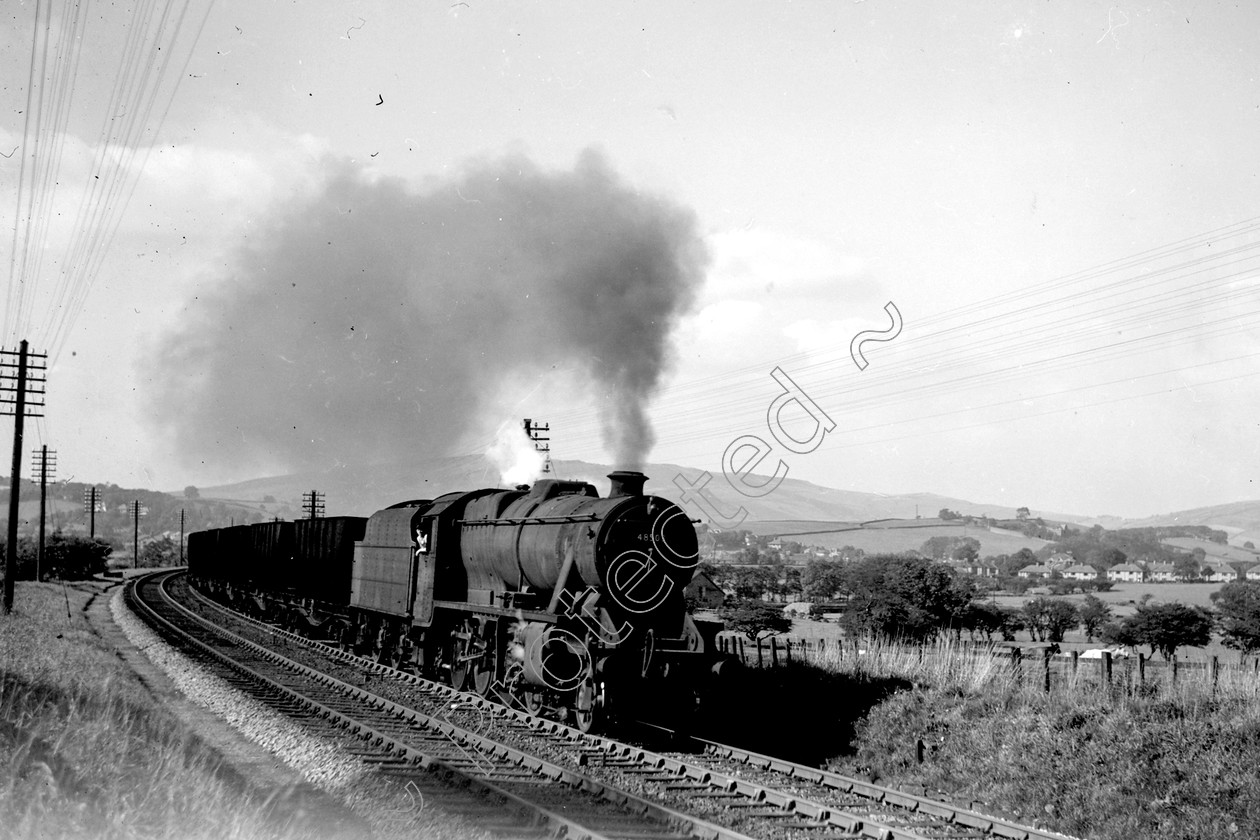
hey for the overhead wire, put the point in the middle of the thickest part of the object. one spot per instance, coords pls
(157, 39)
(691, 406)
(920, 342)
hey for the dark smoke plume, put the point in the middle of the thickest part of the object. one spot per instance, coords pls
(371, 319)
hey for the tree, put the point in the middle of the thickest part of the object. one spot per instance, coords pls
(1061, 616)
(753, 583)
(755, 619)
(947, 514)
(73, 558)
(968, 549)
(904, 597)
(158, 553)
(1049, 619)
(1166, 627)
(191, 492)
(1022, 513)
(1249, 544)
(1238, 614)
(1186, 567)
(983, 618)
(1094, 614)
(938, 548)
(821, 580)
(1122, 633)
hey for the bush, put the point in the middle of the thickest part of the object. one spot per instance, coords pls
(65, 557)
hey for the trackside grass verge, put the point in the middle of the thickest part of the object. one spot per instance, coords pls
(86, 751)
(1153, 760)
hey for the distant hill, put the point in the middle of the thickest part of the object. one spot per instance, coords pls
(1241, 520)
(362, 490)
(894, 535)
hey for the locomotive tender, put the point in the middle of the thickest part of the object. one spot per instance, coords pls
(544, 597)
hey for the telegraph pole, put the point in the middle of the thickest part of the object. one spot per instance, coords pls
(181, 536)
(45, 462)
(18, 378)
(136, 510)
(313, 504)
(90, 500)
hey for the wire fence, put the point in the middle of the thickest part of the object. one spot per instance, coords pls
(1037, 667)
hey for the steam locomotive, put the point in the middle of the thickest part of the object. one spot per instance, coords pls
(546, 597)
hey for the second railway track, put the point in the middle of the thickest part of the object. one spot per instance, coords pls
(718, 791)
(499, 789)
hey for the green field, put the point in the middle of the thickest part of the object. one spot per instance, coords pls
(892, 536)
(1228, 553)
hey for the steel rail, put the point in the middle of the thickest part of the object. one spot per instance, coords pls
(558, 824)
(482, 746)
(680, 776)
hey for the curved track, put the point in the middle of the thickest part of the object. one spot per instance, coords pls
(728, 792)
(500, 789)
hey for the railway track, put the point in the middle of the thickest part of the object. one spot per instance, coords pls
(501, 790)
(729, 792)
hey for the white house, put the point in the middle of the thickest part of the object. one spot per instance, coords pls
(1125, 573)
(1162, 573)
(1035, 571)
(1218, 571)
(1080, 572)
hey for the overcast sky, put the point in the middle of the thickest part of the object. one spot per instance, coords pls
(1060, 201)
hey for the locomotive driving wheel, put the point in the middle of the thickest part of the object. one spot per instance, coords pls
(456, 655)
(588, 703)
(482, 645)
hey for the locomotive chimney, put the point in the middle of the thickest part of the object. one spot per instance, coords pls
(626, 483)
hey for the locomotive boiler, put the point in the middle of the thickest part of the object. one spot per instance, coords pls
(546, 596)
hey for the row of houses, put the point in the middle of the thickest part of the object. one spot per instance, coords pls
(1214, 571)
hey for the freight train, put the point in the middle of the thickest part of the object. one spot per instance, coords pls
(546, 597)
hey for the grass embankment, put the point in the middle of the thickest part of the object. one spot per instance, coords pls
(1173, 761)
(85, 752)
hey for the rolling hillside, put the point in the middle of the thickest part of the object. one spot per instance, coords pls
(362, 490)
(1241, 520)
(892, 536)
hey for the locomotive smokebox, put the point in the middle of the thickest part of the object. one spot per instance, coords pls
(626, 483)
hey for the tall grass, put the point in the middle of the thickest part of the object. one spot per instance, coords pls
(85, 753)
(1129, 759)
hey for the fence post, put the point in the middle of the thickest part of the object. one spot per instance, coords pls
(788, 642)
(1076, 661)
(1142, 669)
(759, 662)
(1174, 669)
(774, 651)
(1216, 672)
(1045, 660)
(1015, 664)
(742, 658)
(1105, 662)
